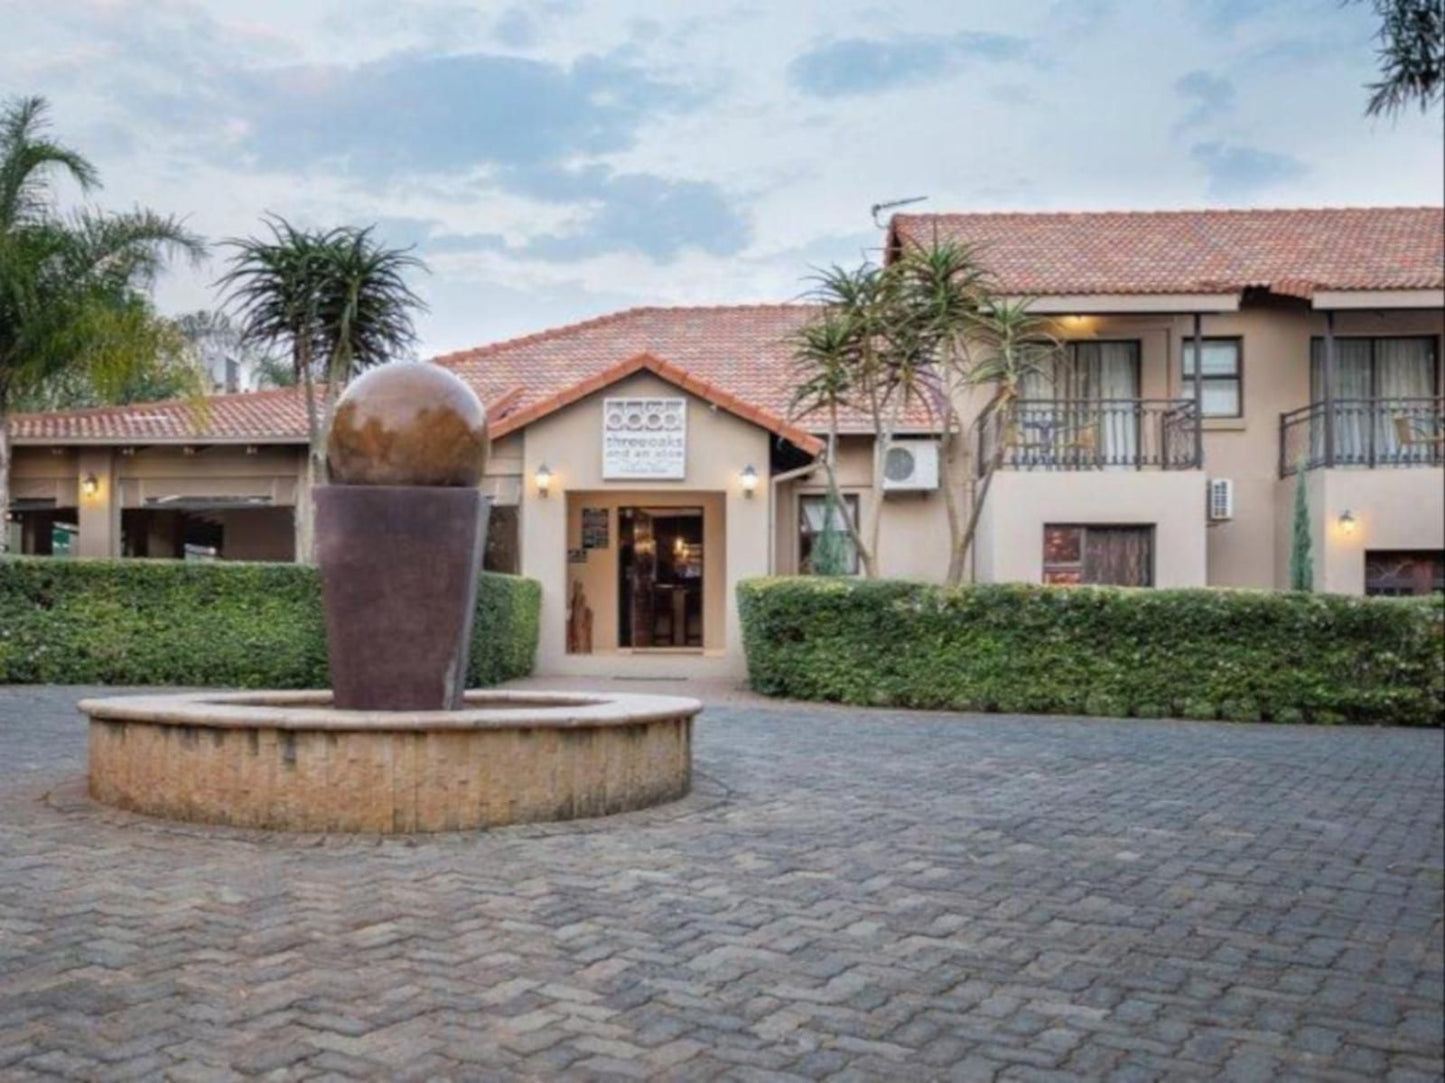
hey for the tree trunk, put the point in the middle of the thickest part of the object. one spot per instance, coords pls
(995, 462)
(4, 479)
(306, 509)
(830, 459)
(882, 438)
(948, 446)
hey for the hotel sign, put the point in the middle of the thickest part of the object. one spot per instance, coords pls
(644, 439)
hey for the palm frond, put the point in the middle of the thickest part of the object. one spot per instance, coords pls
(28, 160)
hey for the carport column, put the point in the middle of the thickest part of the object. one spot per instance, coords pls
(98, 503)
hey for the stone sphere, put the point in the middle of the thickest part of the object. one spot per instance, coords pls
(408, 423)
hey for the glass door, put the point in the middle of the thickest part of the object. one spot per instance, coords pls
(660, 578)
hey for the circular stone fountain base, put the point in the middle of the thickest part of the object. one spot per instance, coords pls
(289, 761)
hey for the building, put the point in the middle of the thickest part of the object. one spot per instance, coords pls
(646, 461)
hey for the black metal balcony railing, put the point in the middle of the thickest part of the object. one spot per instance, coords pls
(1363, 432)
(1092, 434)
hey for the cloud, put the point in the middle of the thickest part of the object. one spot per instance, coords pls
(417, 114)
(516, 28)
(1226, 14)
(868, 65)
(640, 212)
(1210, 95)
(1235, 171)
(653, 216)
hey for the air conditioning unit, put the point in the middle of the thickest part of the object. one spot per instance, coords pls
(910, 466)
(1221, 499)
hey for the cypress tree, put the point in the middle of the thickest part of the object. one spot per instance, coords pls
(1301, 560)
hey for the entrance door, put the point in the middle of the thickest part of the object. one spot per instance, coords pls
(659, 570)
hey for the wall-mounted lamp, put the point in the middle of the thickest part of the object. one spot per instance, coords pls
(749, 479)
(90, 485)
(1347, 523)
(544, 480)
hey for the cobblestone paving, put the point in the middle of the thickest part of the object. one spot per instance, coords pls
(847, 894)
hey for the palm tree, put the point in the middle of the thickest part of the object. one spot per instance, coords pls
(335, 301)
(74, 289)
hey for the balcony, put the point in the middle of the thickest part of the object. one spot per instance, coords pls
(1093, 434)
(1369, 433)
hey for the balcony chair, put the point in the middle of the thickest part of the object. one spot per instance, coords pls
(1407, 435)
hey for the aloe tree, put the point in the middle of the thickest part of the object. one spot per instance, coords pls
(74, 288)
(944, 291)
(825, 360)
(1411, 56)
(336, 302)
(1012, 347)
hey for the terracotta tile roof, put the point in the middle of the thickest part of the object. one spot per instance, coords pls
(704, 390)
(737, 355)
(252, 417)
(276, 416)
(742, 351)
(1296, 252)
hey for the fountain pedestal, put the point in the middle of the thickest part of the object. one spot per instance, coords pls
(399, 570)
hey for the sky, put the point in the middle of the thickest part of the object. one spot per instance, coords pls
(560, 159)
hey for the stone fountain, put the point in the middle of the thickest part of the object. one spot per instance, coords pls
(398, 744)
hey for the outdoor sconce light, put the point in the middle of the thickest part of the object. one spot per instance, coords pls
(544, 480)
(750, 480)
(1347, 523)
(90, 485)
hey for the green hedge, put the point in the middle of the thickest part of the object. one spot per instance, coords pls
(1230, 654)
(238, 625)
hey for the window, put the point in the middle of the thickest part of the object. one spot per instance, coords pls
(1404, 572)
(1089, 371)
(503, 552)
(1220, 376)
(1376, 368)
(813, 522)
(1121, 556)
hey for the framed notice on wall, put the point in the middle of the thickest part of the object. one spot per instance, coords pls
(644, 439)
(594, 528)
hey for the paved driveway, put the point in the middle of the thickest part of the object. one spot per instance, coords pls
(848, 894)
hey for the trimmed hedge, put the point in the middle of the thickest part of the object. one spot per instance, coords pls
(231, 625)
(1238, 655)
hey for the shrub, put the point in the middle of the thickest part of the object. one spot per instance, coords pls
(1232, 654)
(231, 625)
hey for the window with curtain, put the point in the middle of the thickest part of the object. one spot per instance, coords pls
(1100, 426)
(1220, 376)
(813, 522)
(1375, 381)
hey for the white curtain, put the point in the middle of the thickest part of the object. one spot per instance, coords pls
(1404, 370)
(1352, 394)
(1373, 378)
(1118, 385)
(1090, 431)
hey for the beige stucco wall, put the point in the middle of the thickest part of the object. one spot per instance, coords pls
(1392, 509)
(913, 538)
(719, 446)
(1020, 503)
(1245, 551)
